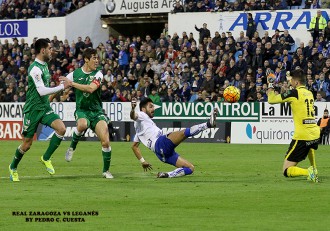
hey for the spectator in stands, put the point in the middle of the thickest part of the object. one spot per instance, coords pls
(123, 59)
(200, 7)
(279, 5)
(317, 25)
(203, 32)
(49, 13)
(190, 7)
(292, 3)
(169, 97)
(251, 26)
(21, 96)
(178, 8)
(208, 83)
(315, 5)
(154, 96)
(263, 5)
(324, 124)
(326, 33)
(88, 42)
(289, 41)
(319, 97)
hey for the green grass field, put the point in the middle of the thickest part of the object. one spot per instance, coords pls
(234, 187)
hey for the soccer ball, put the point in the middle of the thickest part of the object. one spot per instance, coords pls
(231, 94)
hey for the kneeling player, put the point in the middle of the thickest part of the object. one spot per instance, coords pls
(163, 145)
(306, 134)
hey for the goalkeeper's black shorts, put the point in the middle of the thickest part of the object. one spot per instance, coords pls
(299, 149)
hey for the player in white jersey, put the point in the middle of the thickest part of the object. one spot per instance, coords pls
(163, 145)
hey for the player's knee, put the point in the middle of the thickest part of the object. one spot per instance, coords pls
(192, 167)
(285, 172)
(105, 143)
(61, 130)
(81, 128)
(25, 146)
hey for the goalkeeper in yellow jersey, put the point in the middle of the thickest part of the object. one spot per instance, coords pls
(306, 132)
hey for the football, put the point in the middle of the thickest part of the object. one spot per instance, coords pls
(231, 94)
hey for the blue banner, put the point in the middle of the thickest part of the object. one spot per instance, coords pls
(13, 29)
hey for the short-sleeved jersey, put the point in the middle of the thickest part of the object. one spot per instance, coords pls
(38, 74)
(302, 105)
(147, 131)
(87, 101)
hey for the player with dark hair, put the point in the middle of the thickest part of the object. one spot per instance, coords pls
(37, 109)
(306, 132)
(89, 113)
(163, 145)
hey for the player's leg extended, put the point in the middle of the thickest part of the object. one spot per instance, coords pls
(30, 124)
(19, 153)
(82, 125)
(184, 167)
(56, 139)
(178, 137)
(54, 143)
(101, 130)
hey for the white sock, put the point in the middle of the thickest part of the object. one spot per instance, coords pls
(194, 130)
(176, 173)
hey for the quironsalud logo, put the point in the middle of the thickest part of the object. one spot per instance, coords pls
(110, 5)
(250, 130)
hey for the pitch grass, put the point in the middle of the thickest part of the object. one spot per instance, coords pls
(234, 187)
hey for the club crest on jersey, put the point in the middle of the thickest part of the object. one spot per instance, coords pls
(287, 93)
(91, 78)
(85, 94)
(37, 77)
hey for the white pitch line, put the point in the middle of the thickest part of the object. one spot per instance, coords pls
(56, 176)
(120, 175)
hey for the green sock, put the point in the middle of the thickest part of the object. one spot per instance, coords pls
(53, 145)
(106, 159)
(74, 141)
(17, 158)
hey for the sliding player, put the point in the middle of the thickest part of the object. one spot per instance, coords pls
(163, 145)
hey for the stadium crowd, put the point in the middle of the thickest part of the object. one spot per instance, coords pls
(178, 68)
(25, 9)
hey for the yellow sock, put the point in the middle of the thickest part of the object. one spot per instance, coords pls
(296, 171)
(311, 157)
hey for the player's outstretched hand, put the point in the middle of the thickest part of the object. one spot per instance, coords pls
(146, 166)
(65, 81)
(133, 103)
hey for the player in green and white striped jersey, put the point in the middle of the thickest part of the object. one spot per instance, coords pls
(37, 109)
(89, 114)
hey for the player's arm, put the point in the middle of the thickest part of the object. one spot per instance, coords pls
(281, 98)
(93, 86)
(66, 91)
(36, 73)
(132, 114)
(87, 88)
(145, 165)
(52, 96)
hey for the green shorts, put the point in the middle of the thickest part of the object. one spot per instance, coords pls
(92, 117)
(32, 119)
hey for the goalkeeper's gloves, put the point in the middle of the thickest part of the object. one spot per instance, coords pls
(271, 82)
